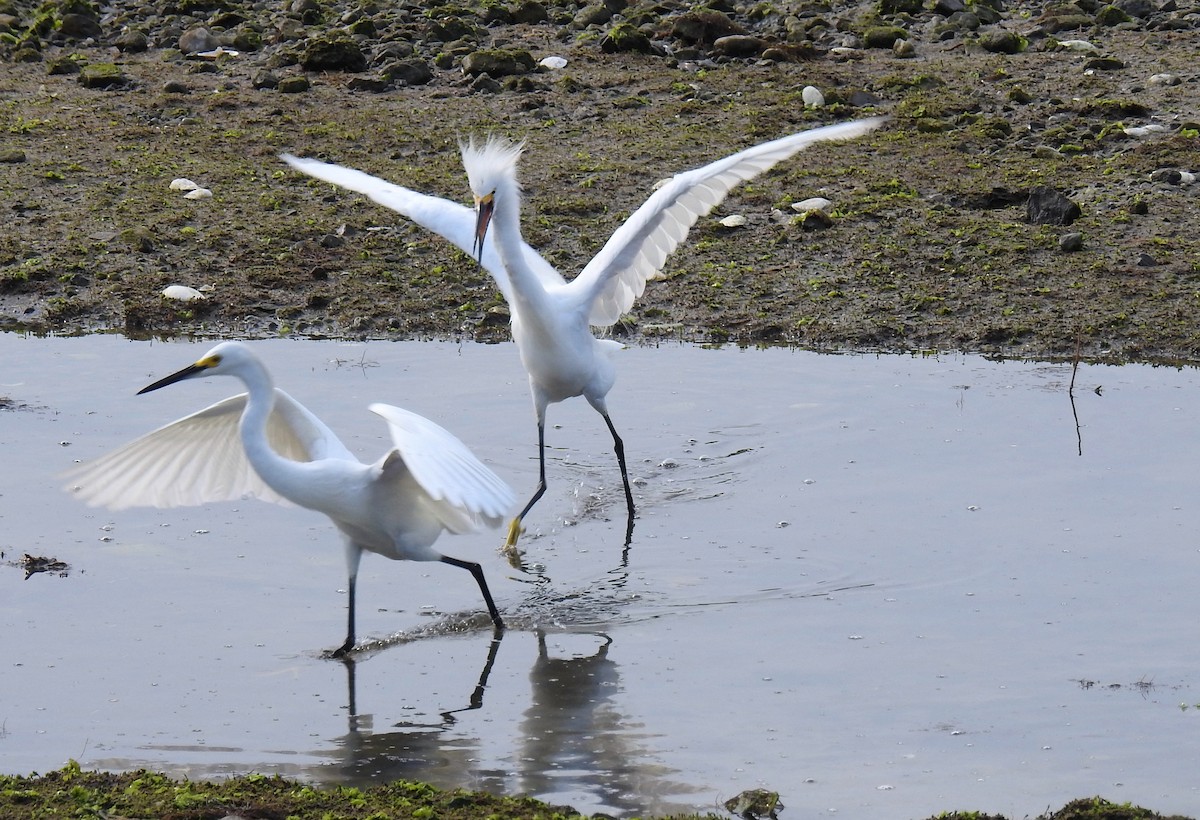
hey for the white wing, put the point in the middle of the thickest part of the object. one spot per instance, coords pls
(200, 458)
(450, 220)
(636, 252)
(463, 489)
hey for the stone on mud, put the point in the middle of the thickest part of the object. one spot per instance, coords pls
(738, 45)
(334, 53)
(408, 72)
(704, 27)
(626, 37)
(1047, 206)
(79, 26)
(102, 75)
(197, 39)
(498, 62)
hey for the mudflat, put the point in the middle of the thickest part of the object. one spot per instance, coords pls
(1032, 194)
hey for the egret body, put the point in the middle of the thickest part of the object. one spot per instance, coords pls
(264, 444)
(551, 317)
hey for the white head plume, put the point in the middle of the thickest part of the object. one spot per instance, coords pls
(490, 164)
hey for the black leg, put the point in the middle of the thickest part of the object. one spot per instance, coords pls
(619, 448)
(477, 571)
(349, 644)
(514, 527)
(476, 701)
(351, 691)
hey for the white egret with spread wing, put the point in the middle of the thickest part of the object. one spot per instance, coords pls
(264, 444)
(551, 318)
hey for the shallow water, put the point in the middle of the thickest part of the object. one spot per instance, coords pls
(880, 585)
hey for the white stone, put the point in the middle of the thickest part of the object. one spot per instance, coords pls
(553, 61)
(816, 203)
(182, 293)
(1144, 130)
(1164, 79)
(846, 53)
(733, 221)
(183, 184)
(199, 193)
(219, 51)
(812, 96)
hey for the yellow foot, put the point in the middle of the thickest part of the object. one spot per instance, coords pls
(509, 550)
(514, 532)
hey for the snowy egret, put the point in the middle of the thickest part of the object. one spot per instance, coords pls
(551, 318)
(264, 444)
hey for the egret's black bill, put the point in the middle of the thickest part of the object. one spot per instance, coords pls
(190, 370)
(483, 218)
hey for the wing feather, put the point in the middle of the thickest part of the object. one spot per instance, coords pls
(450, 220)
(200, 458)
(464, 493)
(637, 250)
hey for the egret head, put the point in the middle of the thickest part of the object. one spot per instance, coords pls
(225, 358)
(490, 165)
(491, 168)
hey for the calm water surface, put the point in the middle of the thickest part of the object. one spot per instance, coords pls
(881, 585)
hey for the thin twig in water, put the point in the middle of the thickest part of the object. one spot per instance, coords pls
(362, 363)
(1071, 396)
(1074, 367)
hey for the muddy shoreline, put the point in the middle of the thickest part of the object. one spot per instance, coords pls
(928, 244)
(144, 793)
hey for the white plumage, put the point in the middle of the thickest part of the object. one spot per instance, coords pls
(264, 444)
(550, 316)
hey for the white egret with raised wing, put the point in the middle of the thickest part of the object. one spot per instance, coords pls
(264, 444)
(551, 317)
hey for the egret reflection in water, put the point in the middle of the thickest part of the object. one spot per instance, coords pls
(573, 736)
(572, 739)
(408, 748)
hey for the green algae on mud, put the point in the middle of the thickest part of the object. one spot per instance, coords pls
(75, 792)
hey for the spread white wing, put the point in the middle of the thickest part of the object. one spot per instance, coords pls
(200, 458)
(450, 220)
(463, 491)
(637, 250)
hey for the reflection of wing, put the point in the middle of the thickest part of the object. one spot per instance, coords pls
(637, 250)
(200, 458)
(463, 491)
(450, 220)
